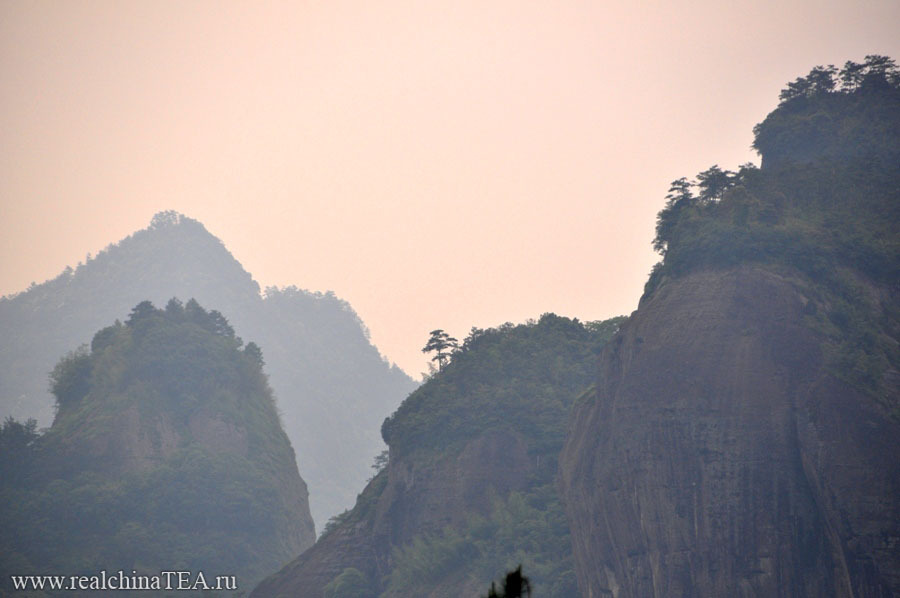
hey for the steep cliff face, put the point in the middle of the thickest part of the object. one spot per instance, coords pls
(742, 439)
(406, 501)
(468, 492)
(721, 457)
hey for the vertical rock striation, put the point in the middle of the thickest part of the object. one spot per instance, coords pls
(721, 456)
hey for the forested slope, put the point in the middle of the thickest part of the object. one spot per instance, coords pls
(468, 492)
(166, 453)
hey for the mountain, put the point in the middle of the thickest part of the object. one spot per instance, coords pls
(467, 491)
(331, 384)
(166, 453)
(743, 438)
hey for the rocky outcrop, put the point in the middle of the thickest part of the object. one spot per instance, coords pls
(722, 456)
(166, 448)
(411, 497)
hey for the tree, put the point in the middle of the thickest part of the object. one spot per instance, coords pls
(140, 312)
(680, 196)
(253, 350)
(70, 380)
(442, 344)
(17, 448)
(381, 461)
(879, 72)
(351, 583)
(714, 182)
(515, 585)
(820, 80)
(852, 75)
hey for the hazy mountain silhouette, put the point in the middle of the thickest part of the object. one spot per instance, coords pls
(331, 384)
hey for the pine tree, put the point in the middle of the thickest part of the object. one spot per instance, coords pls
(443, 344)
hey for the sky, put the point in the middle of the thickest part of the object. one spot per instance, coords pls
(436, 164)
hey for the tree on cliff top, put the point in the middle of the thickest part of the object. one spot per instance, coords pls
(443, 344)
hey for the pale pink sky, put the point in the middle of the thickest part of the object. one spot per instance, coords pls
(437, 164)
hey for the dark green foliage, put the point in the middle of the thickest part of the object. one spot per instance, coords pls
(89, 495)
(17, 444)
(351, 583)
(253, 351)
(604, 330)
(527, 528)
(875, 73)
(70, 379)
(714, 182)
(442, 345)
(857, 118)
(336, 521)
(826, 204)
(521, 378)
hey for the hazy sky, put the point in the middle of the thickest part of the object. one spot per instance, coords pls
(437, 164)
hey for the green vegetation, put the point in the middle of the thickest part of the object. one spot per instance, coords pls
(520, 378)
(351, 583)
(333, 387)
(528, 529)
(166, 453)
(826, 205)
(441, 344)
(843, 114)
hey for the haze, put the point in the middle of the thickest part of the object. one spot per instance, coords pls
(438, 166)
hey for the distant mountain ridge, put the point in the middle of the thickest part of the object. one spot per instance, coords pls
(331, 384)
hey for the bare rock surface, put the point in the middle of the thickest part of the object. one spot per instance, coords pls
(721, 457)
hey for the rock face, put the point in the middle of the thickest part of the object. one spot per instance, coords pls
(721, 456)
(408, 499)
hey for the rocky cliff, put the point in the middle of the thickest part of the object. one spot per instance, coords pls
(166, 453)
(721, 457)
(744, 435)
(409, 500)
(468, 491)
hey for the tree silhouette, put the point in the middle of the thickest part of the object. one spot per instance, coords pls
(513, 586)
(442, 344)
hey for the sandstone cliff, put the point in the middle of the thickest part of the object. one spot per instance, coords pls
(744, 435)
(409, 499)
(721, 457)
